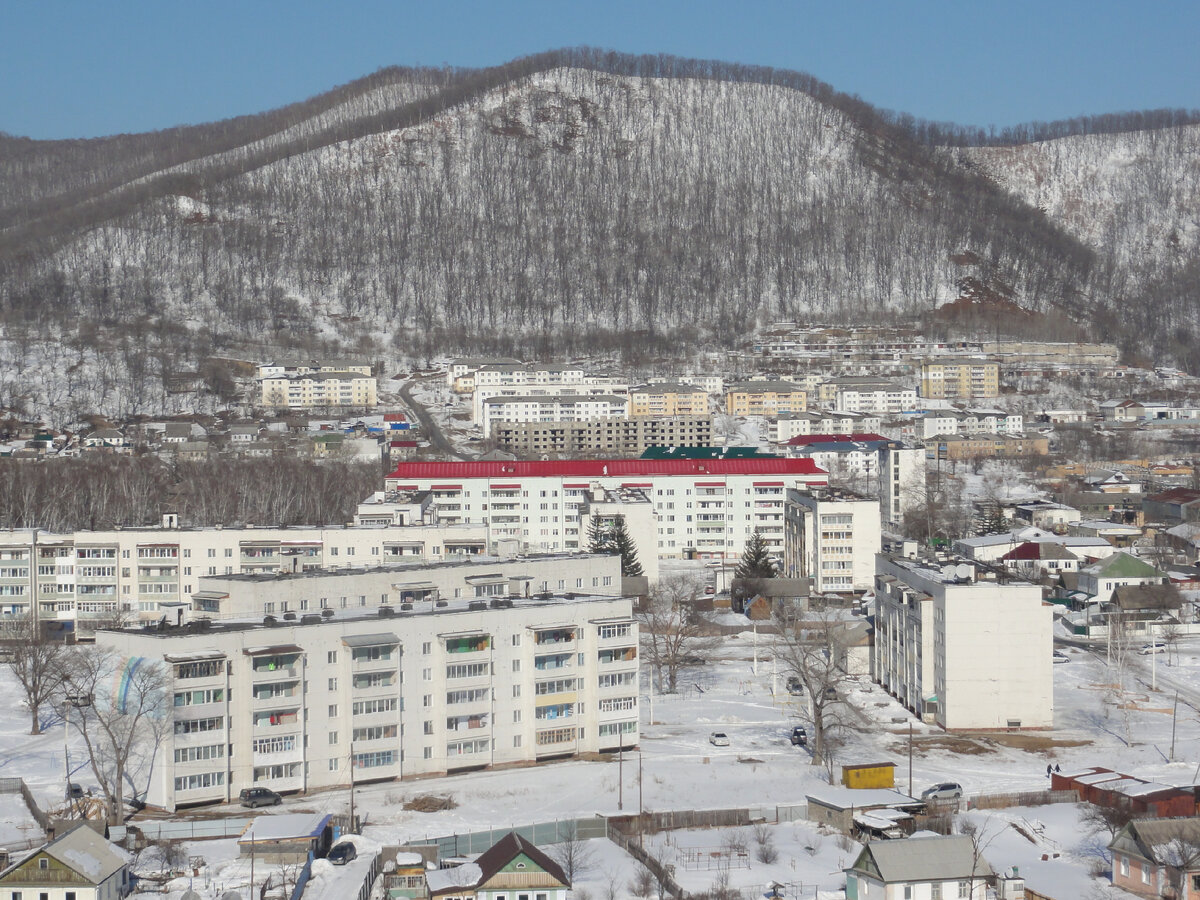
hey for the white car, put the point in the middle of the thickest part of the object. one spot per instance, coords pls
(1060, 657)
(719, 739)
(1156, 647)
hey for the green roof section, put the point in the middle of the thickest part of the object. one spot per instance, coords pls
(1122, 565)
(706, 453)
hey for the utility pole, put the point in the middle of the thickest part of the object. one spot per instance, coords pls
(1174, 719)
(621, 773)
(351, 761)
(910, 736)
(639, 798)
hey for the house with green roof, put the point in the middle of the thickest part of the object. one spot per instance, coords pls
(79, 864)
(1100, 579)
(511, 869)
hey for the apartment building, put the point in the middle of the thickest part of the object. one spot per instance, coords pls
(870, 464)
(84, 578)
(378, 694)
(460, 374)
(327, 593)
(710, 384)
(620, 437)
(781, 429)
(961, 648)
(764, 398)
(668, 399)
(706, 508)
(977, 446)
(861, 394)
(960, 379)
(551, 408)
(509, 380)
(831, 535)
(317, 385)
(960, 422)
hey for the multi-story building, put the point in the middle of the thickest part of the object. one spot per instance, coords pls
(960, 379)
(976, 446)
(328, 593)
(620, 437)
(668, 399)
(460, 374)
(550, 408)
(956, 422)
(507, 380)
(710, 384)
(317, 385)
(764, 398)
(706, 508)
(831, 535)
(781, 429)
(869, 464)
(84, 578)
(384, 693)
(864, 394)
(961, 647)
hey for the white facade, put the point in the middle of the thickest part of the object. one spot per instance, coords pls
(893, 469)
(781, 429)
(964, 652)
(557, 407)
(86, 577)
(831, 536)
(641, 521)
(990, 547)
(705, 508)
(366, 698)
(317, 385)
(537, 381)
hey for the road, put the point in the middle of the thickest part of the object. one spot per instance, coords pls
(431, 428)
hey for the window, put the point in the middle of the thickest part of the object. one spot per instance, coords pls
(43, 863)
(908, 892)
(333, 684)
(333, 710)
(333, 737)
(331, 657)
(964, 890)
(1125, 866)
(935, 891)
(1145, 873)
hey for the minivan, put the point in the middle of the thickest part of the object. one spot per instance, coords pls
(255, 797)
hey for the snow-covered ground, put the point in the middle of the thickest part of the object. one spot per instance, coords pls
(680, 769)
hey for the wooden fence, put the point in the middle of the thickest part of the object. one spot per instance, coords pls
(1025, 798)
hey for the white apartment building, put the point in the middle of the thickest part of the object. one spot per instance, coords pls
(781, 429)
(567, 407)
(831, 535)
(364, 696)
(711, 384)
(317, 385)
(961, 421)
(962, 649)
(509, 380)
(705, 508)
(416, 585)
(86, 577)
(866, 395)
(460, 373)
(870, 464)
(637, 510)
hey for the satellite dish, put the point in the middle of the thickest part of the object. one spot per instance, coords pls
(949, 572)
(964, 571)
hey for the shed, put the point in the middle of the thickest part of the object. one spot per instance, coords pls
(836, 806)
(869, 775)
(287, 838)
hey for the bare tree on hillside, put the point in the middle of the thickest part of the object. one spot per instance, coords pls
(673, 630)
(125, 721)
(37, 662)
(572, 852)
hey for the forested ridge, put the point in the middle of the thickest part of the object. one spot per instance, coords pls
(562, 203)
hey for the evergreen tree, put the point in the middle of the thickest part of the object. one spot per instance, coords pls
(599, 538)
(623, 544)
(756, 559)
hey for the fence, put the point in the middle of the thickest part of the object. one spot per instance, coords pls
(651, 822)
(302, 878)
(661, 873)
(539, 834)
(1027, 798)
(18, 786)
(197, 829)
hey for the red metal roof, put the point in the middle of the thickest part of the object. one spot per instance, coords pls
(599, 468)
(801, 439)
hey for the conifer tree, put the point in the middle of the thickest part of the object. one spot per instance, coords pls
(623, 544)
(599, 538)
(756, 559)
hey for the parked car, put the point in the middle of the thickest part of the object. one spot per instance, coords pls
(799, 736)
(794, 685)
(947, 790)
(1156, 647)
(255, 797)
(340, 854)
(719, 739)
(1060, 657)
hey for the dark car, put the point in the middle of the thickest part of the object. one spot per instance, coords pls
(799, 736)
(255, 797)
(340, 854)
(794, 685)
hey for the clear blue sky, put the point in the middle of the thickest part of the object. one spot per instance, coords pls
(80, 69)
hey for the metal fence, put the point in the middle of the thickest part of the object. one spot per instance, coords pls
(540, 834)
(195, 829)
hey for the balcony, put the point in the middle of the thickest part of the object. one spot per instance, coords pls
(618, 655)
(273, 701)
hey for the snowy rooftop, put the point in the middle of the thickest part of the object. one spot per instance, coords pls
(840, 797)
(464, 876)
(284, 827)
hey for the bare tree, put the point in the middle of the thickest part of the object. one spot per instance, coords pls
(765, 850)
(572, 852)
(37, 662)
(1097, 817)
(125, 722)
(673, 629)
(808, 652)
